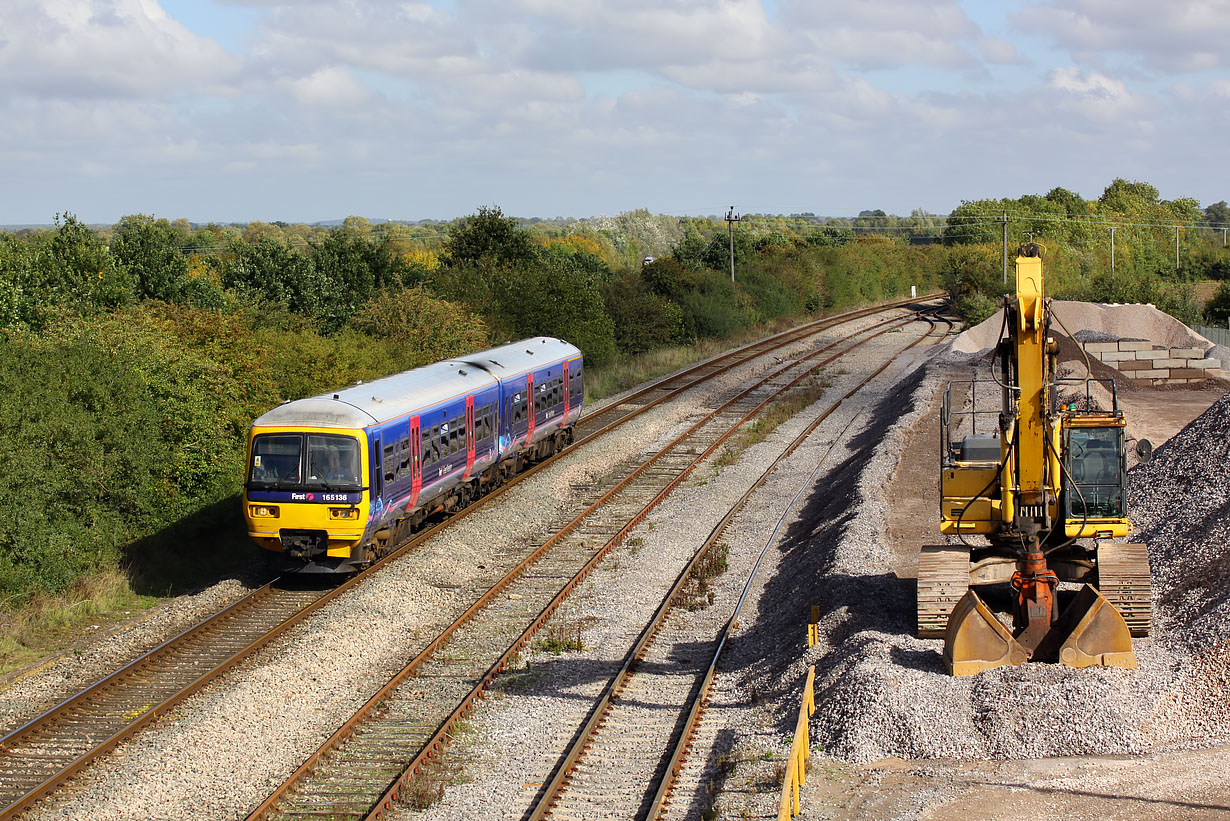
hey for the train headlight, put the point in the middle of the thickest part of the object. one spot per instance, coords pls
(263, 511)
(343, 513)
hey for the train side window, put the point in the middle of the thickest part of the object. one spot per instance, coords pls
(404, 467)
(376, 468)
(425, 447)
(390, 464)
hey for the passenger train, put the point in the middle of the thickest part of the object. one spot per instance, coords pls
(335, 481)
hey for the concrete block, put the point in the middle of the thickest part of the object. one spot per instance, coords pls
(1101, 347)
(1111, 357)
(1129, 365)
(1187, 373)
(1170, 363)
(1153, 374)
(1186, 353)
(1153, 354)
(1128, 345)
(1204, 364)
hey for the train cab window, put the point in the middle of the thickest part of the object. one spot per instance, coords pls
(275, 458)
(333, 461)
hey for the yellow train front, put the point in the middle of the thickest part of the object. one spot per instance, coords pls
(307, 497)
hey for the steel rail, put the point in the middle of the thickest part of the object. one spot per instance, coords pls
(675, 765)
(146, 713)
(376, 702)
(553, 789)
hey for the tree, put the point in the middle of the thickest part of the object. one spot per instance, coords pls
(1217, 215)
(150, 250)
(274, 272)
(1129, 197)
(487, 235)
(354, 269)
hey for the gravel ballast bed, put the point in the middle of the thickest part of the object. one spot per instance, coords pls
(538, 708)
(221, 752)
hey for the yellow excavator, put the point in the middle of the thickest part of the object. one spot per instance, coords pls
(1032, 489)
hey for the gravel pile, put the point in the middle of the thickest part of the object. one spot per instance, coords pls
(1182, 511)
(882, 692)
(1085, 336)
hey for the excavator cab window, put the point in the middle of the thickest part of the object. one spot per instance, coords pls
(1094, 460)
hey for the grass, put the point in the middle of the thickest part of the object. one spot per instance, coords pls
(770, 419)
(563, 636)
(629, 371)
(695, 593)
(49, 623)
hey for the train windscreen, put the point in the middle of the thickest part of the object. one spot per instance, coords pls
(295, 460)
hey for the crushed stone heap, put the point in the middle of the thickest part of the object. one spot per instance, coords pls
(881, 692)
(1181, 507)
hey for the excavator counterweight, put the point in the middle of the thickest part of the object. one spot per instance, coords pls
(1032, 490)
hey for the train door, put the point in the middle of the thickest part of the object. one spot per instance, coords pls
(469, 435)
(567, 391)
(416, 461)
(531, 405)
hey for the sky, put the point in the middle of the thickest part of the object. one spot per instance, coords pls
(307, 110)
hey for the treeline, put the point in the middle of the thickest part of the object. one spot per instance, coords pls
(135, 357)
(1128, 245)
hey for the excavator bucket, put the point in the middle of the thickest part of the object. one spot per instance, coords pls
(976, 641)
(1093, 633)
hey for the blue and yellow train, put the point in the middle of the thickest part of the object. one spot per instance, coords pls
(335, 481)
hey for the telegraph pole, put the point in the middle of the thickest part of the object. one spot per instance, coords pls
(731, 219)
(1005, 219)
(1223, 238)
(1176, 249)
(1112, 251)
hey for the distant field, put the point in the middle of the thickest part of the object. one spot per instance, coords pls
(1205, 290)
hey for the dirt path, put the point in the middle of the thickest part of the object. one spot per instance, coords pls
(1187, 785)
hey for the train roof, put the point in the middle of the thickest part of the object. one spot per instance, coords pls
(380, 400)
(516, 358)
(383, 399)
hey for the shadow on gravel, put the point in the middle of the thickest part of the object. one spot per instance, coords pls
(814, 571)
(194, 552)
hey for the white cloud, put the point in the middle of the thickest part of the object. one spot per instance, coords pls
(896, 33)
(1175, 36)
(329, 87)
(111, 48)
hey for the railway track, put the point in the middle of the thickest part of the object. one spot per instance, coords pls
(47, 751)
(623, 761)
(349, 776)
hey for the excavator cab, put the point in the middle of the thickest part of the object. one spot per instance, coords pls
(1096, 459)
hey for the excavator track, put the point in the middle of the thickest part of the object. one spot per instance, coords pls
(943, 578)
(1123, 578)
